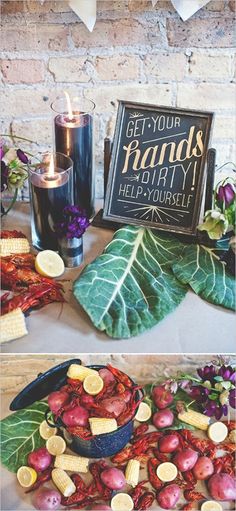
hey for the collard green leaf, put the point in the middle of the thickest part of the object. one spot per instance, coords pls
(131, 287)
(20, 435)
(200, 268)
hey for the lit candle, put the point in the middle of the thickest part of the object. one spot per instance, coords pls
(73, 127)
(51, 189)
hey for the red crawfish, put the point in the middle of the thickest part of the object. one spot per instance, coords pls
(140, 430)
(230, 425)
(80, 431)
(192, 495)
(131, 408)
(189, 478)
(96, 469)
(152, 465)
(146, 501)
(11, 234)
(202, 446)
(21, 278)
(107, 391)
(138, 491)
(124, 455)
(36, 297)
(20, 260)
(77, 498)
(224, 464)
(120, 376)
(79, 483)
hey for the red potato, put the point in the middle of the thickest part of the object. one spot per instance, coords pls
(185, 460)
(203, 468)
(46, 499)
(106, 375)
(40, 459)
(168, 497)
(168, 443)
(87, 400)
(113, 478)
(78, 416)
(114, 405)
(222, 487)
(162, 397)
(57, 399)
(163, 418)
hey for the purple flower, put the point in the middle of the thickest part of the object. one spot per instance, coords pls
(207, 373)
(4, 176)
(232, 398)
(22, 156)
(226, 194)
(74, 222)
(227, 373)
(1, 152)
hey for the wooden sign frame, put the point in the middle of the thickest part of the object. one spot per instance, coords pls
(203, 119)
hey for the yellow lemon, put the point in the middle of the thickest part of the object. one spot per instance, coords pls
(56, 445)
(46, 431)
(211, 505)
(49, 264)
(26, 476)
(122, 502)
(93, 384)
(217, 432)
(167, 472)
(144, 412)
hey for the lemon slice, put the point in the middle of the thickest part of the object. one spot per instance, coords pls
(26, 476)
(144, 412)
(211, 505)
(46, 431)
(49, 264)
(167, 472)
(122, 502)
(93, 384)
(217, 432)
(56, 445)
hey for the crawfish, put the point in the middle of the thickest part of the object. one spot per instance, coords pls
(151, 438)
(76, 498)
(124, 455)
(190, 479)
(225, 464)
(140, 430)
(20, 260)
(120, 376)
(131, 408)
(192, 495)
(230, 425)
(17, 279)
(37, 296)
(107, 391)
(79, 483)
(96, 469)
(11, 234)
(99, 411)
(80, 431)
(138, 492)
(154, 480)
(146, 501)
(202, 446)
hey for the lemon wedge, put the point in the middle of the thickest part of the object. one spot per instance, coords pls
(93, 384)
(211, 505)
(49, 264)
(26, 476)
(167, 472)
(144, 412)
(46, 431)
(56, 445)
(122, 502)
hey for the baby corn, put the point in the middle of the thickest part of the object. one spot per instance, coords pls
(71, 463)
(77, 372)
(10, 246)
(196, 419)
(132, 472)
(101, 426)
(63, 482)
(12, 325)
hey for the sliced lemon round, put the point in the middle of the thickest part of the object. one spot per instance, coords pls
(93, 384)
(46, 431)
(211, 505)
(167, 472)
(144, 412)
(26, 476)
(49, 264)
(56, 445)
(217, 432)
(122, 502)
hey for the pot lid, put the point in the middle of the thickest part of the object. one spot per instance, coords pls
(44, 384)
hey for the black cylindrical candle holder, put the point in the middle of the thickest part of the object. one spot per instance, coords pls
(73, 129)
(51, 189)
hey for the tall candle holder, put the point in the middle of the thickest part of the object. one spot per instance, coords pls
(73, 130)
(51, 189)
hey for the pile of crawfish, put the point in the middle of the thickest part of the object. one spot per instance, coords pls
(18, 275)
(119, 399)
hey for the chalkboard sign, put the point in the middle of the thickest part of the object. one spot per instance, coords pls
(157, 175)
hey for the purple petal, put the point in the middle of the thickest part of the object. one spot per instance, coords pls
(22, 156)
(232, 398)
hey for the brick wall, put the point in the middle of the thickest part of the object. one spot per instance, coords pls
(135, 52)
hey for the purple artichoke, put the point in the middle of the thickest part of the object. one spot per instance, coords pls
(226, 194)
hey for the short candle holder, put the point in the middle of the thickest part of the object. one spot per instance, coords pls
(51, 189)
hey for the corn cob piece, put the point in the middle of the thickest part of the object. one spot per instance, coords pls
(196, 419)
(63, 482)
(10, 246)
(101, 426)
(12, 325)
(71, 463)
(132, 472)
(77, 372)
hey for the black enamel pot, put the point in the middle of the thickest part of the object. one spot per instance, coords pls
(101, 446)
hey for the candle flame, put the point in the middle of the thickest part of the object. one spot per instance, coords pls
(70, 113)
(51, 167)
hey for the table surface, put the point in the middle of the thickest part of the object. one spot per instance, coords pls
(194, 327)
